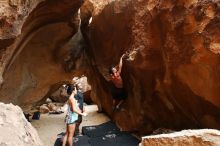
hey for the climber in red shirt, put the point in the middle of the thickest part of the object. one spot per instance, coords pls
(118, 91)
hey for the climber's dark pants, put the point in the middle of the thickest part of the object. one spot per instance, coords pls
(118, 93)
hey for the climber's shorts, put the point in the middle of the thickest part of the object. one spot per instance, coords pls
(119, 93)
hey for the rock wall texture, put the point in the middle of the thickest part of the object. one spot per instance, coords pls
(13, 15)
(15, 129)
(204, 137)
(33, 35)
(172, 72)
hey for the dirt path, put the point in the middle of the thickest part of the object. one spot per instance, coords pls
(50, 125)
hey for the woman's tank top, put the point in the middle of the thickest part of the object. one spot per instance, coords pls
(71, 116)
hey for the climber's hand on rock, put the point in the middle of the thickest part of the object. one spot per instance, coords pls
(123, 55)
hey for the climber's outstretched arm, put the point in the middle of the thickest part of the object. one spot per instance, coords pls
(120, 64)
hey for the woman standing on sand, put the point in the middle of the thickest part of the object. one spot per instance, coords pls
(72, 114)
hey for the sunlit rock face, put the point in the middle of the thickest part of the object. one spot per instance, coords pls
(172, 72)
(32, 36)
(15, 129)
(202, 137)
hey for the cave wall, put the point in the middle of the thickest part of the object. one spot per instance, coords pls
(172, 72)
(33, 38)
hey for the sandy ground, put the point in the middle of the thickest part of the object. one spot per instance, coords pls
(50, 125)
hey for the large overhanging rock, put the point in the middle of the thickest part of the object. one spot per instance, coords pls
(203, 137)
(13, 15)
(172, 73)
(32, 34)
(15, 129)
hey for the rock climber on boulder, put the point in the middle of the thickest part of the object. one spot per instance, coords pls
(117, 89)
